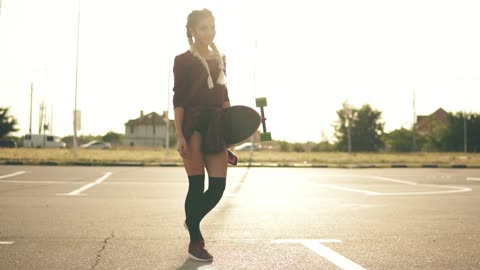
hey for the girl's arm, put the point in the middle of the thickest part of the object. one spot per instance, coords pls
(182, 147)
(178, 121)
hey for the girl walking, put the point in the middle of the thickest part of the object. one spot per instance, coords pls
(200, 93)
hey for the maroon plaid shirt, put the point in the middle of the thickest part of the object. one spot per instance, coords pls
(192, 93)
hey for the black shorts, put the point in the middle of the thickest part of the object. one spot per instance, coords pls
(204, 121)
(207, 120)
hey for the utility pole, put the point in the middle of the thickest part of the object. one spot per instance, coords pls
(465, 149)
(167, 120)
(75, 120)
(43, 121)
(414, 138)
(31, 103)
(45, 125)
(255, 55)
(40, 115)
(348, 120)
(51, 122)
(349, 135)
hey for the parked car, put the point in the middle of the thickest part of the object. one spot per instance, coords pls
(42, 141)
(247, 147)
(96, 145)
(8, 144)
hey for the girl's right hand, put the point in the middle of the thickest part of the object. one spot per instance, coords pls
(182, 147)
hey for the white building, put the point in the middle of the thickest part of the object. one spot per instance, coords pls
(148, 130)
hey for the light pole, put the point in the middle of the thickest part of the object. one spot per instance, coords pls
(349, 135)
(465, 132)
(167, 139)
(31, 102)
(414, 136)
(348, 115)
(255, 54)
(75, 120)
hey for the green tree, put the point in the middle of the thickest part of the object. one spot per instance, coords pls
(401, 140)
(298, 147)
(323, 146)
(113, 138)
(366, 130)
(452, 138)
(285, 146)
(433, 139)
(8, 123)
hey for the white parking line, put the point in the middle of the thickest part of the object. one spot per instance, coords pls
(39, 182)
(325, 252)
(12, 174)
(6, 242)
(98, 181)
(349, 189)
(473, 179)
(456, 189)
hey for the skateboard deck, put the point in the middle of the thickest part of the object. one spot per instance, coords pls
(239, 123)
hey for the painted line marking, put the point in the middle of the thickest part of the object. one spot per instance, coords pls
(301, 241)
(367, 192)
(78, 191)
(83, 182)
(12, 174)
(473, 179)
(325, 252)
(456, 189)
(6, 242)
(39, 182)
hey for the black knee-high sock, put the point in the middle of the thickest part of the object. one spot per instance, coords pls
(193, 202)
(211, 197)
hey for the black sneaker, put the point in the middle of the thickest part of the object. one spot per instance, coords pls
(197, 251)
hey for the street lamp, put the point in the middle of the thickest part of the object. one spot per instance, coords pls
(348, 119)
(465, 148)
(167, 138)
(75, 113)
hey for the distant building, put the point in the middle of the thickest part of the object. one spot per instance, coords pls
(148, 130)
(426, 124)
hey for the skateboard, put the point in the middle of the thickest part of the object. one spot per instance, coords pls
(240, 122)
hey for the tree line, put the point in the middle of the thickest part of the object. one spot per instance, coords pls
(356, 130)
(362, 130)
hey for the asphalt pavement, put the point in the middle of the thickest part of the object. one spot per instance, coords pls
(54, 217)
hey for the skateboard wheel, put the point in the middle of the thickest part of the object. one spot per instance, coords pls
(261, 102)
(265, 137)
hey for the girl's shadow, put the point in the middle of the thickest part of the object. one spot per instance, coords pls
(190, 264)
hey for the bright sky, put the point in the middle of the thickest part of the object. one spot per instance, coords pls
(310, 57)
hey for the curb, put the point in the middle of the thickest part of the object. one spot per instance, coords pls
(253, 164)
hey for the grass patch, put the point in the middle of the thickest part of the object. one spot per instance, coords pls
(65, 156)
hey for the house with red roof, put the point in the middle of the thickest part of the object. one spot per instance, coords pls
(427, 124)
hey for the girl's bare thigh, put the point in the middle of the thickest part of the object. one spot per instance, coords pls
(217, 164)
(196, 162)
(193, 162)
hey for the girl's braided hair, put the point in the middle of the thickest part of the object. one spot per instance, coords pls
(193, 18)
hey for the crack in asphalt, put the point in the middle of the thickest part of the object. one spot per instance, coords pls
(99, 255)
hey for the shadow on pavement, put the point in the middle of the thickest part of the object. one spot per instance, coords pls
(195, 265)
